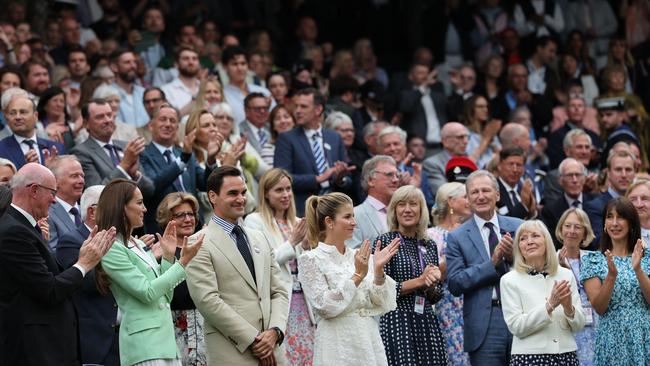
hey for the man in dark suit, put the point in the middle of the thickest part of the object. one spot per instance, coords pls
(620, 173)
(98, 331)
(572, 180)
(104, 159)
(23, 146)
(479, 253)
(314, 155)
(517, 198)
(170, 168)
(423, 108)
(38, 318)
(65, 213)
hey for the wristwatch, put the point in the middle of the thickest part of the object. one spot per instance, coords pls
(280, 335)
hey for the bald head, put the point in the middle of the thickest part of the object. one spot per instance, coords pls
(34, 189)
(454, 137)
(515, 135)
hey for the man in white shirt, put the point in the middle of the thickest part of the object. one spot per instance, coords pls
(380, 178)
(182, 91)
(65, 213)
(542, 79)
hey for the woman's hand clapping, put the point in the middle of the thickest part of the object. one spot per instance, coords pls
(189, 250)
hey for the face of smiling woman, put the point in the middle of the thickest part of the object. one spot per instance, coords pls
(532, 246)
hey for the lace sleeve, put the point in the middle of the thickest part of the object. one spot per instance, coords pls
(327, 299)
(383, 297)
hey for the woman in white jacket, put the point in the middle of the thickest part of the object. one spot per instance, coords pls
(540, 300)
(276, 217)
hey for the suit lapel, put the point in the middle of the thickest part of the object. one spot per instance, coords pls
(62, 215)
(369, 211)
(302, 139)
(15, 151)
(228, 248)
(474, 234)
(45, 250)
(99, 151)
(258, 260)
(144, 257)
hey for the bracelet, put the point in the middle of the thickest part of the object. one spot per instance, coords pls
(383, 277)
(573, 312)
(357, 275)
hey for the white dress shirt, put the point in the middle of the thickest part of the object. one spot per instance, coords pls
(66, 206)
(433, 124)
(25, 148)
(485, 235)
(178, 94)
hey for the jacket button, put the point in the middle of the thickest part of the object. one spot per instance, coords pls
(555, 340)
(161, 306)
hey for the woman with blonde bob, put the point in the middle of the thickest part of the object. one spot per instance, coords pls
(346, 288)
(276, 216)
(639, 194)
(411, 333)
(574, 232)
(540, 301)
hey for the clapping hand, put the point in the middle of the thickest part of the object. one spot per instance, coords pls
(560, 295)
(562, 258)
(383, 256)
(44, 225)
(188, 250)
(503, 249)
(611, 266)
(361, 260)
(430, 276)
(49, 155)
(637, 254)
(94, 248)
(298, 232)
(168, 241)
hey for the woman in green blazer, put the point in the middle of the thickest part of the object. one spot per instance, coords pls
(142, 288)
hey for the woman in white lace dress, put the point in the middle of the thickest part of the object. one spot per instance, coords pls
(345, 288)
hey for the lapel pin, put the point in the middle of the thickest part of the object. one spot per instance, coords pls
(256, 249)
(327, 146)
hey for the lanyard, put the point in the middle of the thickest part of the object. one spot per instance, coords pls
(422, 250)
(576, 275)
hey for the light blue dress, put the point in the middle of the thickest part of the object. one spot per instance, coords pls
(586, 338)
(624, 329)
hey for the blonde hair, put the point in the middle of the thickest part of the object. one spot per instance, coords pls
(170, 202)
(269, 180)
(406, 193)
(193, 123)
(317, 209)
(584, 221)
(443, 194)
(551, 262)
(200, 97)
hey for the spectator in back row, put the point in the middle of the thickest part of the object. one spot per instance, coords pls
(454, 142)
(123, 65)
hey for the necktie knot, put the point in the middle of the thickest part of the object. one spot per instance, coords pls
(29, 143)
(112, 152)
(77, 217)
(316, 136)
(576, 204)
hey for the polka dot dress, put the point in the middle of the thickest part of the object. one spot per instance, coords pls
(411, 338)
(561, 359)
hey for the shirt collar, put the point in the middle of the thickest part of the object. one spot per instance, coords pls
(613, 192)
(161, 148)
(227, 226)
(375, 203)
(27, 215)
(571, 200)
(494, 220)
(66, 206)
(20, 139)
(508, 186)
(311, 133)
(254, 128)
(102, 143)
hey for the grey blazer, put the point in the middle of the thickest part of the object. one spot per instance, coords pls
(99, 169)
(60, 224)
(253, 139)
(434, 166)
(368, 225)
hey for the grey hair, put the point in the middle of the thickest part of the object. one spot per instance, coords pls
(568, 161)
(390, 130)
(105, 91)
(220, 108)
(444, 193)
(336, 119)
(482, 173)
(26, 178)
(568, 139)
(7, 162)
(56, 165)
(370, 166)
(90, 197)
(10, 93)
(369, 129)
(511, 131)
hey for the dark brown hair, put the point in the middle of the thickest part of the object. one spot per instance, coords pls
(625, 210)
(215, 180)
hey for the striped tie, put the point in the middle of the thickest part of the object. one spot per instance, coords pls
(319, 155)
(261, 137)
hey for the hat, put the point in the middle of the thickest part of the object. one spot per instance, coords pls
(609, 104)
(372, 90)
(459, 168)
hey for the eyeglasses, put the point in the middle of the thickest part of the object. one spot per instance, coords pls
(259, 109)
(459, 137)
(183, 215)
(390, 175)
(52, 190)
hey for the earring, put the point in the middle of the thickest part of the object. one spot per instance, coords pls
(451, 211)
(605, 228)
(330, 227)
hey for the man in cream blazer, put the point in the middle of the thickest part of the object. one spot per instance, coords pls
(236, 283)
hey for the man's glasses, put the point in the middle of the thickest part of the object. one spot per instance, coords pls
(390, 175)
(52, 190)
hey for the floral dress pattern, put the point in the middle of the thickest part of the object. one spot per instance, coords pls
(299, 340)
(624, 330)
(449, 309)
(586, 338)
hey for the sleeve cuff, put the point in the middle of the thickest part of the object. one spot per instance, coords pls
(81, 269)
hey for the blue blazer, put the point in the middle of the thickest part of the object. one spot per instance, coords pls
(98, 337)
(155, 166)
(293, 153)
(9, 149)
(594, 210)
(470, 273)
(60, 224)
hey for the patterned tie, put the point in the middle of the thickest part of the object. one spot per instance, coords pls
(493, 241)
(112, 151)
(576, 204)
(513, 197)
(170, 161)
(262, 138)
(245, 251)
(319, 155)
(77, 217)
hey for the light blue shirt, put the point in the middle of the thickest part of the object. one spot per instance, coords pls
(131, 107)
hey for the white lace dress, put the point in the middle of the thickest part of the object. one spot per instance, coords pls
(346, 333)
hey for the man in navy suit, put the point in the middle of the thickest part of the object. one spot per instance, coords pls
(620, 174)
(98, 329)
(478, 254)
(65, 213)
(170, 168)
(517, 195)
(23, 146)
(313, 155)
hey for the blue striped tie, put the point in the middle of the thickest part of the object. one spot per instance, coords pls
(261, 137)
(319, 155)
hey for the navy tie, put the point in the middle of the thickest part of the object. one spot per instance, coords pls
(77, 217)
(112, 151)
(38, 230)
(170, 161)
(493, 240)
(576, 204)
(245, 251)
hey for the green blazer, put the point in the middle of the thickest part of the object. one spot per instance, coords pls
(143, 294)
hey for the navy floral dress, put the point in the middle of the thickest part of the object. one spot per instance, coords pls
(411, 338)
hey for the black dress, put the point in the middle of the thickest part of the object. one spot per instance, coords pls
(411, 338)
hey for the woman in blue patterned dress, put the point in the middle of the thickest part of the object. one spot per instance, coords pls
(617, 283)
(411, 333)
(574, 232)
(452, 208)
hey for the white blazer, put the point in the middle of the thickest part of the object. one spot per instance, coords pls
(523, 298)
(283, 251)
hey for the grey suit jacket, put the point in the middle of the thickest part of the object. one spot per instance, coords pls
(99, 169)
(253, 139)
(60, 224)
(368, 225)
(434, 166)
